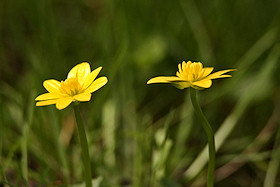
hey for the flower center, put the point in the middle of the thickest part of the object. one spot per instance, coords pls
(70, 86)
(191, 72)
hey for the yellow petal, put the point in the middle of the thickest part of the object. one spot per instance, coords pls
(205, 83)
(224, 76)
(52, 86)
(186, 66)
(181, 85)
(180, 67)
(218, 74)
(164, 79)
(63, 102)
(90, 78)
(197, 67)
(98, 83)
(190, 73)
(188, 63)
(80, 71)
(83, 97)
(48, 102)
(48, 96)
(207, 71)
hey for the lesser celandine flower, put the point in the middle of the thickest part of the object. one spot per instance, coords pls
(78, 86)
(193, 75)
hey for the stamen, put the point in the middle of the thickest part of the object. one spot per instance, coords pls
(70, 86)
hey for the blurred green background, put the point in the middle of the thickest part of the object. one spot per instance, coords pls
(140, 135)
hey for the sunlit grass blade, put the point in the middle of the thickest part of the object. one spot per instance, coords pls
(25, 135)
(62, 155)
(253, 149)
(259, 48)
(108, 132)
(196, 22)
(162, 150)
(180, 157)
(273, 166)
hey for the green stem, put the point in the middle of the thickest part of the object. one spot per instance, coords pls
(210, 135)
(84, 146)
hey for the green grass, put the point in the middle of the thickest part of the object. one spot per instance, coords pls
(140, 135)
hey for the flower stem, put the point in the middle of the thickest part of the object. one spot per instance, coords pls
(210, 135)
(84, 146)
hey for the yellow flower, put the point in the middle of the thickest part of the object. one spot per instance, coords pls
(191, 74)
(78, 86)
